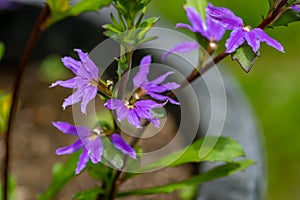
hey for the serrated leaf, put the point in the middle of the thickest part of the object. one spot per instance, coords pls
(217, 172)
(61, 9)
(245, 56)
(287, 17)
(61, 174)
(225, 150)
(2, 49)
(199, 6)
(88, 194)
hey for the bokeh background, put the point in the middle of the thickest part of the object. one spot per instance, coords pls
(273, 87)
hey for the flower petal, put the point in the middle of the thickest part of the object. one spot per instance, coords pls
(251, 40)
(69, 149)
(163, 98)
(141, 76)
(120, 144)
(71, 64)
(89, 94)
(235, 40)
(215, 31)
(113, 104)
(96, 149)
(295, 7)
(73, 99)
(65, 127)
(133, 119)
(71, 83)
(185, 46)
(224, 17)
(161, 78)
(195, 19)
(182, 25)
(83, 159)
(263, 37)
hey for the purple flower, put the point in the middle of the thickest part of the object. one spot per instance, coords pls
(134, 112)
(9, 4)
(153, 88)
(240, 33)
(210, 29)
(90, 142)
(85, 81)
(295, 7)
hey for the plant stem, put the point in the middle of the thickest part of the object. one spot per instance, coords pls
(15, 95)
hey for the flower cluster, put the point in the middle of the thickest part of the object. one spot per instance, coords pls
(86, 83)
(136, 108)
(218, 20)
(240, 33)
(90, 142)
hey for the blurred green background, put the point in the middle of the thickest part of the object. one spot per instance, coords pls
(273, 87)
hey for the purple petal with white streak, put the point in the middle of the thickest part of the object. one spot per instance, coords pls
(263, 37)
(83, 159)
(224, 17)
(235, 40)
(69, 149)
(252, 41)
(120, 144)
(141, 76)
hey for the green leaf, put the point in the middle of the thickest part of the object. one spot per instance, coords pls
(2, 49)
(61, 9)
(88, 194)
(189, 192)
(225, 150)
(287, 17)
(217, 172)
(245, 56)
(12, 183)
(199, 5)
(61, 174)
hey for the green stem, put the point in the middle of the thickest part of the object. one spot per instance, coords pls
(15, 94)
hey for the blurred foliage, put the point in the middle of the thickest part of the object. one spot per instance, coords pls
(2, 49)
(50, 65)
(61, 9)
(5, 102)
(61, 175)
(273, 88)
(12, 183)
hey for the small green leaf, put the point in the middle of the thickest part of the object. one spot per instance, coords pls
(61, 174)
(88, 194)
(61, 9)
(189, 193)
(225, 150)
(217, 172)
(2, 49)
(287, 17)
(199, 6)
(245, 56)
